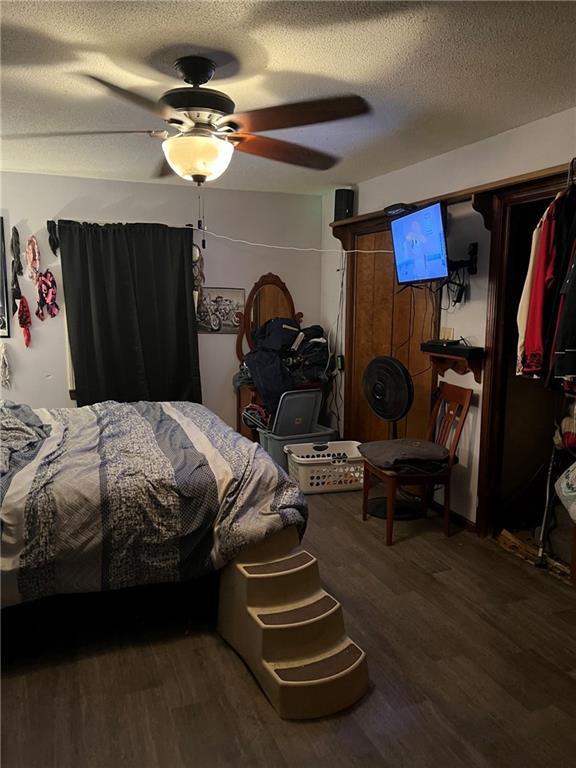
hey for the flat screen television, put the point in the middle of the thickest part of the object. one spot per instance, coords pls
(419, 244)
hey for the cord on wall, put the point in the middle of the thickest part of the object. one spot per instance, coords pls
(288, 247)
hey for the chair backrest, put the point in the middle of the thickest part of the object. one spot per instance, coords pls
(448, 416)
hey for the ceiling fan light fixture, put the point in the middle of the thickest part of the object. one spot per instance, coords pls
(196, 158)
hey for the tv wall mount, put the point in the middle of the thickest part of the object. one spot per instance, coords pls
(471, 263)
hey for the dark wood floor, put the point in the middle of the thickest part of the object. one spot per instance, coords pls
(472, 656)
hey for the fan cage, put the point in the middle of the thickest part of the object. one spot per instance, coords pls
(387, 372)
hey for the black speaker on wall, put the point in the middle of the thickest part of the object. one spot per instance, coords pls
(343, 204)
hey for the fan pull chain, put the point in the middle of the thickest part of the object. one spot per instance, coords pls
(201, 223)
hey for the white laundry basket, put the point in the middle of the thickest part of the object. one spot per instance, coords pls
(326, 467)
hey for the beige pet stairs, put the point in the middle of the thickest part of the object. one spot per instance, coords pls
(275, 614)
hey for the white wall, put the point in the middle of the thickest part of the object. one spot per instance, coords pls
(332, 276)
(28, 200)
(540, 144)
(469, 321)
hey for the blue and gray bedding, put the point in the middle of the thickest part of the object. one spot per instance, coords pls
(116, 495)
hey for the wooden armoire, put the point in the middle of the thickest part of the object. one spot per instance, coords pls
(383, 318)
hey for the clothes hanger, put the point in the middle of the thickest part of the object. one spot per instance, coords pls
(572, 173)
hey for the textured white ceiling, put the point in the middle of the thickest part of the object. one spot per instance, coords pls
(438, 76)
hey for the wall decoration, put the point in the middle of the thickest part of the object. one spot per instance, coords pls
(4, 305)
(5, 382)
(219, 310)
(197, 274)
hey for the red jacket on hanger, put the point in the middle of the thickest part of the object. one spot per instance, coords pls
(541, 285)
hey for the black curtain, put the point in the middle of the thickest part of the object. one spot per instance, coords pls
(130, 311)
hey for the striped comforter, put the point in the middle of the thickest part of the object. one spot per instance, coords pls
(115, 495)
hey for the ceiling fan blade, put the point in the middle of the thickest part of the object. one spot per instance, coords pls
(283, 151)
(162, 110)
(162, 171)
(152, 134)
(299, 113)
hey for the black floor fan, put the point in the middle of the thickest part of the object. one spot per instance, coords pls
(388, 388)
(389, 391)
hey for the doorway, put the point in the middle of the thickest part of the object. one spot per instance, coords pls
(517, 413)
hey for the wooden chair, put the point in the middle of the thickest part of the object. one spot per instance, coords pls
(445, 428)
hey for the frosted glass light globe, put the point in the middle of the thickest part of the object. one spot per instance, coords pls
(198, 158)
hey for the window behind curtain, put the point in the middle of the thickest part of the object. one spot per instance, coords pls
(130, 311)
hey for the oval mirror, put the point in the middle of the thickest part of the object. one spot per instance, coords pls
(269, 301)
(268, 298)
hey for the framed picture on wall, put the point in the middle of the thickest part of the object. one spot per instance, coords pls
(4, 304)
(219, 310)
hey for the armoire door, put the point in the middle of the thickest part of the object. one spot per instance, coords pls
(384, 318)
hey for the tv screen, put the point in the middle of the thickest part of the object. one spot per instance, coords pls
(419, 245)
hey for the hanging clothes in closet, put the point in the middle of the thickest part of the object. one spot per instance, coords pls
(565, 341)
(547, 311)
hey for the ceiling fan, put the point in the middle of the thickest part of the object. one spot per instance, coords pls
(208, 130)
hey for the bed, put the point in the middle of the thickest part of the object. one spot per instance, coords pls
(116, 495)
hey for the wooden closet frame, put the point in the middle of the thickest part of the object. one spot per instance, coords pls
(493, 201)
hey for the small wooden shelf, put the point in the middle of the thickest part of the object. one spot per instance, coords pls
(466, 360)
